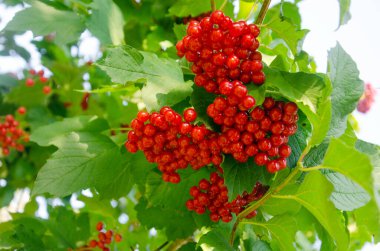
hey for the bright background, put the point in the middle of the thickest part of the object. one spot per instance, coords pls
(360, 38)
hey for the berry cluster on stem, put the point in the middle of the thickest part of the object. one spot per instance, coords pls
(212, 195)
(220, 50)
(38, 76)
(105, 238)
(173, 142)
(12, 135)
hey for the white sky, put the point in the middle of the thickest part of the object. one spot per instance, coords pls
(360, 38)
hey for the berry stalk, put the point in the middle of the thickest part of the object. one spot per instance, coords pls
(213, 5)
(263, 12)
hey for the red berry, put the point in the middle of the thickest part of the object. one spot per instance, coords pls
(43, 79)
(217, 17)
(93, 243)
(273, 166)
(249, 102)
(261, 159)
(232, 62)
(99, 226)
(264, 145)
(257, 114)
(118, 238)
(285, 151)
(29, 82)
(190, 115)
(21, 110)
(290, 108)
(46, 90)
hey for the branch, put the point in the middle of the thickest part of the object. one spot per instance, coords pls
(260, 202)
(263, 12)
(213, 6)
(309, 169)
(162, 246)
(179, 243)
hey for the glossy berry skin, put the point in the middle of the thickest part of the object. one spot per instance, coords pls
(12, 136)
(222, 50)
(261, 159)
(190, 115)
(214, 198)
(173, 141)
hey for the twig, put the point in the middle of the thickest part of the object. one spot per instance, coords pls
(263, 12)
(260, 202)
(213, 6)
(162, 246)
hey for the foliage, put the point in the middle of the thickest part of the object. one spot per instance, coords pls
(77, 131)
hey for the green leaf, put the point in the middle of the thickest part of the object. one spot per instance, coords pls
(298, 143)
(179, 30)
(51, 134)
(170, 195)
(310, 92)
(316, 155)
(368, 220)
(163, 77)
(303, 88)
(258, 92)
(240, 177)
(106, 22)
(276, 206)
(200, 99)
(317, 202)
(349, 162)
(164, 204)
(347, 88)
(27, 96)
(347, 195)
(281, 231)
(344, 15)
(176, 223)
(283, 28)
(82, 160)
(7, 81)
(368, 217)
(215, 239)
(184, 8)
(261, 246)
(43, 20)
(68, 227)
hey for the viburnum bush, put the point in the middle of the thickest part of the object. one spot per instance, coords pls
(195, 125)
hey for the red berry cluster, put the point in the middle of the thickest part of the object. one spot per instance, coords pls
(11, 135)
(173, 143)
(261, 133)
(368, 98)
(213, 195)
(222, 50)
(30, 81)
(105, 238)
